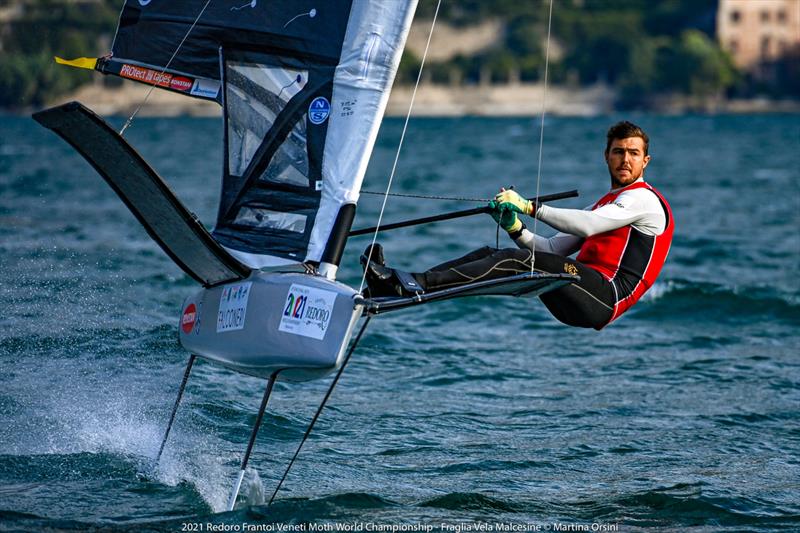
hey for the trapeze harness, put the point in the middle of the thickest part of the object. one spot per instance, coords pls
(616, 267)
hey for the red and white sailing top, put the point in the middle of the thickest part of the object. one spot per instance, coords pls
(625, 235)
(630, 259)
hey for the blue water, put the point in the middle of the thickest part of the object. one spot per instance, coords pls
(684, 415)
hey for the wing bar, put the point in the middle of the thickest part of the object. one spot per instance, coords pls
(516, 285)
(165, 218)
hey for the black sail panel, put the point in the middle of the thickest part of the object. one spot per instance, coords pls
(303, 84)
(150, 31)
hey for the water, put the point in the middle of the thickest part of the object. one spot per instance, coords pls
(682, 416)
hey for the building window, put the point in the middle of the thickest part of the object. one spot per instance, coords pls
(736, 16)
(764, 47)
(782, 16)
(765, 16)
(733, 46)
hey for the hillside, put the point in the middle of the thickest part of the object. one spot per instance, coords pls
(642, 54)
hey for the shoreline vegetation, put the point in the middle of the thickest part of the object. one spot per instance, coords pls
(485, 59)
(520, 99)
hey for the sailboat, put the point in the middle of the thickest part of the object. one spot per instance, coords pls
(303, 86)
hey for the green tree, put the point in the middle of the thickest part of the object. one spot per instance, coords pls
(28, 75)
(696, 66)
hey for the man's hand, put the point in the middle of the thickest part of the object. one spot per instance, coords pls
(507, 218)
(511, 201)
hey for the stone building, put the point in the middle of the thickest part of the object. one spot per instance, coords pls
(760, 35)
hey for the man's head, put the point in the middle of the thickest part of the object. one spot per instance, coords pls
(626, 153)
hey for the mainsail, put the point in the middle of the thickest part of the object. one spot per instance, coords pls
(304, 86)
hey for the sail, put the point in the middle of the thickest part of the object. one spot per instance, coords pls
(303, 84)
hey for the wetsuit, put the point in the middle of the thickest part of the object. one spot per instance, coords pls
(622, 240)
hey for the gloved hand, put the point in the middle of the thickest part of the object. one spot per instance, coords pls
(512, 201)
(507, 218)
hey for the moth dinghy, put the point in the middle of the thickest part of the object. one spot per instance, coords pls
(303, 86)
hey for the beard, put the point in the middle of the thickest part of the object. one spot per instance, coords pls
(621, 181)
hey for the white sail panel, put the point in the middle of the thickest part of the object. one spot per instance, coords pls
(373, 44)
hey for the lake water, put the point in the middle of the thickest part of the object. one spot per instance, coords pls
(684, 415)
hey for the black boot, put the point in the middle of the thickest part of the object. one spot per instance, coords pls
(385, 281)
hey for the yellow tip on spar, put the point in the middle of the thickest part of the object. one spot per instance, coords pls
(81, 62)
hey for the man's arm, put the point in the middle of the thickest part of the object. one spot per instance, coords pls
(560, 243)
(639, 207)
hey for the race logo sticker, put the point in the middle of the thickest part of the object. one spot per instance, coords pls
(188, 318)
(318, 110)
(233, 307)
(307, 311)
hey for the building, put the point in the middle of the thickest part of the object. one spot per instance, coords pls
(759, 34)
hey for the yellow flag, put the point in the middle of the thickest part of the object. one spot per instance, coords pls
(81, 62)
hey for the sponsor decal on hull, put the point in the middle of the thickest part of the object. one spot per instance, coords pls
(233, 307)
(188, 318)
(307, 311)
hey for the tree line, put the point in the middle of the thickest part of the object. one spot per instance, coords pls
(642, 48)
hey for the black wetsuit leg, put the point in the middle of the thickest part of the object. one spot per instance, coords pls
(588, 303)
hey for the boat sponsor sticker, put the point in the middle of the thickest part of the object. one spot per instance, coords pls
(179, 83)
(188, 318)
(318, 110)
(233, 307)
(184, 84)
(307, 311)
(205, 88)
(145, 75)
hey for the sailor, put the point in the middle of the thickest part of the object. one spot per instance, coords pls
(622, 241)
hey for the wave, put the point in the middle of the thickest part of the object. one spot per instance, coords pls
(684, 505)
(718, 302)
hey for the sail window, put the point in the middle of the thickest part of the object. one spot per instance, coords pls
(289, 165)
(265, 218)
(255, 95)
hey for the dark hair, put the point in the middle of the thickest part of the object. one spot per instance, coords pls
(625, 130)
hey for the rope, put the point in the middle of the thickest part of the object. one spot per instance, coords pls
(321, 406)
(428, 197)
(541, 131)
(400, 145)
(155, 82)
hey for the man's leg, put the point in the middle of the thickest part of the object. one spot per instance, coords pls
(474, 255)
(484, 263)
(588, 303)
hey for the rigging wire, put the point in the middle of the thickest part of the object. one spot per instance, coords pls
(161, 74)
(541, 132)
(428, 197)
(400, 145)
(321, 407)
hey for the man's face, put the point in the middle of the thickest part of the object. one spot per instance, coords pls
(626, 161)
